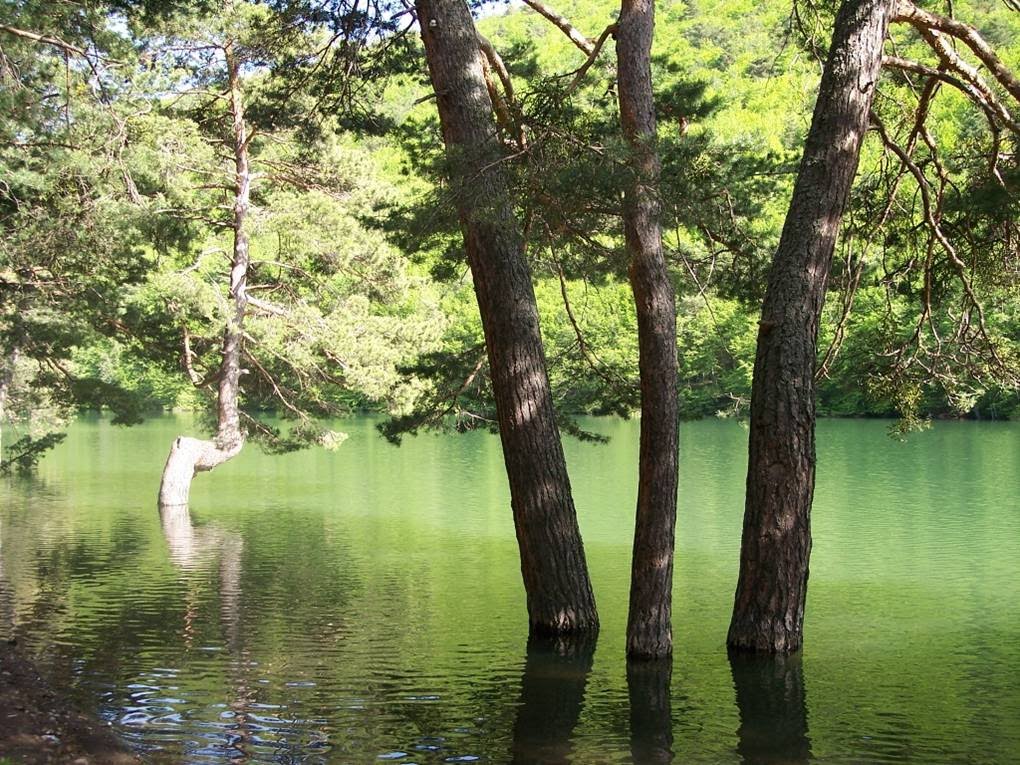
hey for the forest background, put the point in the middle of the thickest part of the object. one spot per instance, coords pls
(115, 202)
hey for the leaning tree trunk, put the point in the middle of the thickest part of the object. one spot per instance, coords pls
(649, 633)
(555, 574)
(191, 455)
(768, 609)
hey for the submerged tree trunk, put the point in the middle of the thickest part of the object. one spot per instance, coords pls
(649, 632)
(553, 564)
(191, 455)
(768, 609)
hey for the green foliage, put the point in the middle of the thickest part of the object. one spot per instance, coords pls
(115, 197)
(24, 454)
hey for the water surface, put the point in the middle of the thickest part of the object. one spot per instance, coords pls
(365, 606)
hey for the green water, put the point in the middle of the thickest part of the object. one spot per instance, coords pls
(366, 604)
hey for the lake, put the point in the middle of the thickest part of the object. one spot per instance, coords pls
(365, 605)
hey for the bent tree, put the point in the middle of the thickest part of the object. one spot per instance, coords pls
(559, 594)
(191, 455)
(768, 609)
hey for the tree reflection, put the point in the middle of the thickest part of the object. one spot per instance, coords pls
(651, 717)
(552, 695)
(192, 549)
(773, 715)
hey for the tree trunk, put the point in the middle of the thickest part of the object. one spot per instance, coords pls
(649, 633)
(555, 574)
(768, 609)
(190, 455)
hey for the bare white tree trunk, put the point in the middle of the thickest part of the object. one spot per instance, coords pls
(187, 457)
(191, 455)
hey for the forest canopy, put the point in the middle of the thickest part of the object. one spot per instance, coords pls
(117, 175)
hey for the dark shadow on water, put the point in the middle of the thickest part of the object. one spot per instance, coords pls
(552, 696)
(651, 717)
(773, 714)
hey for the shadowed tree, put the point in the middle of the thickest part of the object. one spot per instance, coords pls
(559, 594)
(649, 632)
(768, 610)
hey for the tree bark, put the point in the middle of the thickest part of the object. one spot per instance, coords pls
(768, 610)
(649, 632)
(191, 455)
(559, 594)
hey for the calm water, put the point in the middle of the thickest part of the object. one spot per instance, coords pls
(364, 606)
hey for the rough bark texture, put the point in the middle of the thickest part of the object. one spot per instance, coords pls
(556, 579)
(191, 455)
(648, 626)
(651, 712)
(773, 713)
(768, 610)
(552, 697)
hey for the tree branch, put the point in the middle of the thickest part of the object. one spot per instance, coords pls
(563, 24)
(924, 20)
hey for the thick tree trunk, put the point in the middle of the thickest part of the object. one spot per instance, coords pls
(190, 455)
(649, 633)
(768, 609)
(555, 574)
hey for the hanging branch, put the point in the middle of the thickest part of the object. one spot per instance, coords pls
(932, 219)
(503, 104)
(596, 49)
(594, 362)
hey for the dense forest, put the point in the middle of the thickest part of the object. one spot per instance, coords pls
(279, 213)
(117, 194)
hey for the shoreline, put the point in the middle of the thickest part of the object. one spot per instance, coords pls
(39, 726)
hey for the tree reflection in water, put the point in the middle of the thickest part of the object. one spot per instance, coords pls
(191, 550)
(552, 696)
(773, 715)
(651, 717)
